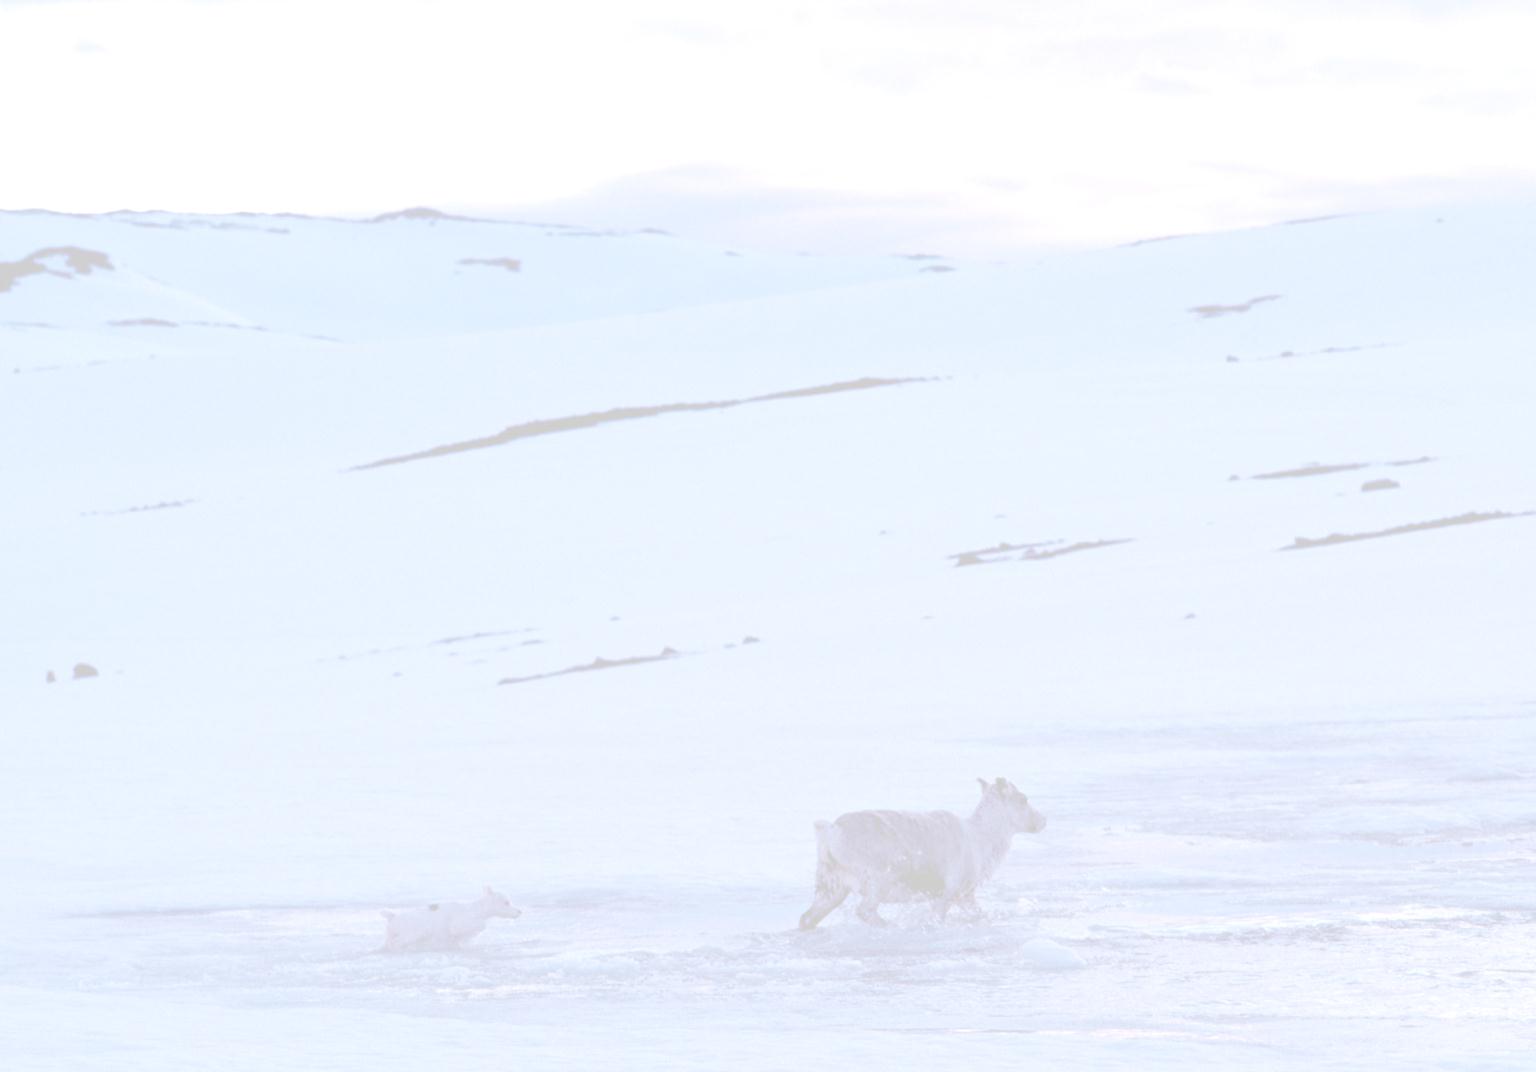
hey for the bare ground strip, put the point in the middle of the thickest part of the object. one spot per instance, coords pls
(1304, 543)
(555, 425)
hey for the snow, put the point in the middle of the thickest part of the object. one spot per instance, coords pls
(1292, 790)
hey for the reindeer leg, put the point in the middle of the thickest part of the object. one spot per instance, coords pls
(828, 897)
(830, 893)
(968, 905)
(869, 907)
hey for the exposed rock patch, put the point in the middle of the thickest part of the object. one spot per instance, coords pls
(511, 264)
(66, 262)
(556, 425)
(1029, 552)
(1309, 470)
(1304, 543)
(597, 664)
(1205, 312)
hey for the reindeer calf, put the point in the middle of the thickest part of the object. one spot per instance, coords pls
(444, 926)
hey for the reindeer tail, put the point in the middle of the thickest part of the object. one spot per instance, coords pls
(823, 843)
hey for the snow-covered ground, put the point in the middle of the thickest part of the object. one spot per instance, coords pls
(418, 554)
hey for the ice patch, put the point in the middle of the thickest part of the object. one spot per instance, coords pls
(1048, 954)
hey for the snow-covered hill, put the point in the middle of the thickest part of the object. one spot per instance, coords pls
(418, 553)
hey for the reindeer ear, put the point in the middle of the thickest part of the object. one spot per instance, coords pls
(1002, 783)
(983, 783)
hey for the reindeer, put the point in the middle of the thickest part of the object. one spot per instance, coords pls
(444, 926)
(914, 856)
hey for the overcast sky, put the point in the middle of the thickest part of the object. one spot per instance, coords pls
(964, 126)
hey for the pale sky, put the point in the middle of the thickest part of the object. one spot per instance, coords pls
(971, 127)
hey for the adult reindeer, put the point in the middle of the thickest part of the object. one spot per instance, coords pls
(913, 856)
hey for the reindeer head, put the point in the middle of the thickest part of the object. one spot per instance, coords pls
(1005, 796)
(497, 905)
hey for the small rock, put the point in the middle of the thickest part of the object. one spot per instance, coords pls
(85, 670)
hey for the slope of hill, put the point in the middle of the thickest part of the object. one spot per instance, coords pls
(418, 273)
(419, 553)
